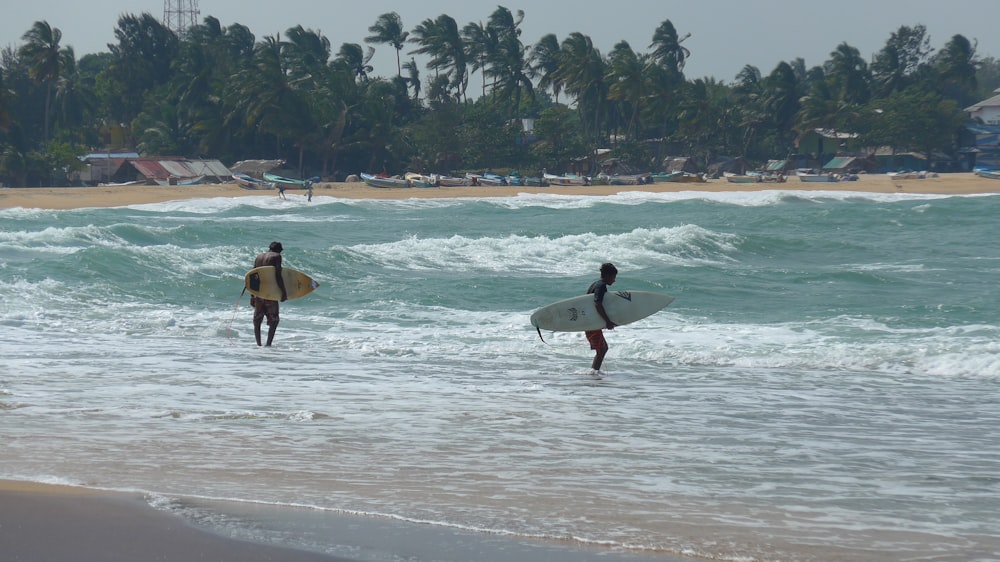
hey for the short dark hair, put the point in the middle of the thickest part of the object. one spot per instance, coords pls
(276, 247)
(608, 269)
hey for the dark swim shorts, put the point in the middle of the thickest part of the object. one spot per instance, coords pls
(263, 307)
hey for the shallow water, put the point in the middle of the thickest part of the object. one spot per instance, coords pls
(824, 386)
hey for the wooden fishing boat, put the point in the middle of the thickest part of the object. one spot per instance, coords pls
(420, 180)
(180, 181)
(810, 176)
(568, 179)
(250, 182)
(741, 178)
(376, 181)
(987, 173)
(678, 177)
(288, 183)
(486, 179)
(450, 181)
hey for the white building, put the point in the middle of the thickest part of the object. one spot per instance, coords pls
(988, 110)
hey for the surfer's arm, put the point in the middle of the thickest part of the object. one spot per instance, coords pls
(280, 279)
(600, 310)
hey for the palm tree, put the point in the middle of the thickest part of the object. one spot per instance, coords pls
(545, 64)
(74, 99)
(353, 56)
(46, 60)
(388, 30)
(905, 51)
(442, 41)
(582, 69)
(629, 82)
(308, 51)
(142, 60)
(848, 74)
(957, 64)
(413, 78)
(508, 64)
(481, 46)
(667, 49)
(267, 98)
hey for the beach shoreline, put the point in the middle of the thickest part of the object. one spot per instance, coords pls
(60, 523)
(63, 198)
(66, 523)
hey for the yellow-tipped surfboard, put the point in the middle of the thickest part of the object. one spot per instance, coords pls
(262, 282)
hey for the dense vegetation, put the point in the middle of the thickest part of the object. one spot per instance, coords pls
(218, 92)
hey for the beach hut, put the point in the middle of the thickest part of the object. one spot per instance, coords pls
(680, 164)
(826, 143)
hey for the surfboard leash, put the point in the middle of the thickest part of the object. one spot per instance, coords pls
(236, 308)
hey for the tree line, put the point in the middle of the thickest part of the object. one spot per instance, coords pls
(219, 92)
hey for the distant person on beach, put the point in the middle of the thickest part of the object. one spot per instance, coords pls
(599, 288)
(309, 191)
(262, 307)
(281, 191)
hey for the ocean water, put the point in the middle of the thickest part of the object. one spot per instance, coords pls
(824, 387)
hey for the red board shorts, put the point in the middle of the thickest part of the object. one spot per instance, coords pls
(264, 307)
(596, 339)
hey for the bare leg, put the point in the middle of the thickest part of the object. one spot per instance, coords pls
(271, 328)
(599, 357)
(256, 330)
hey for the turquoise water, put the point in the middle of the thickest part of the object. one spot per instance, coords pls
(823, 387)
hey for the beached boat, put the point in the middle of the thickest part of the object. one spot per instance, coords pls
(907, 175)
(568, 179)
(450, 181)
(250, 182)
(634, 179)
(741, 178)
(678, 177)
(287, 183)
(987, 173)
(486, 179)
(534, 182)
(420, 180)
(809, 176)
(766, 177)
(179, 181)
(377, 181)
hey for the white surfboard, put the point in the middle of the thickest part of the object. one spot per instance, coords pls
(579, 314)
(262, 282)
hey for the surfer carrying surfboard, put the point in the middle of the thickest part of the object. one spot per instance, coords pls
(267, 308)
(599, 288)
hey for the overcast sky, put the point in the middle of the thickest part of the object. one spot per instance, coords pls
(726, 35)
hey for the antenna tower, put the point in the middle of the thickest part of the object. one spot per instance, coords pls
(180, 15)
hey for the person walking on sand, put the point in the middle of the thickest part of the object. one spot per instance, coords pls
(599, 288)
(265, 308)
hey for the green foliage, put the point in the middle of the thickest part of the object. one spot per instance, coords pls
(220, 92)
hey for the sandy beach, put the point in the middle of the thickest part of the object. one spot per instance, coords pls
(116, 196)
(63, 524)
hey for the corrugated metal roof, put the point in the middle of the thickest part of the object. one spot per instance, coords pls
(155, 169)
(150, 169)
(839, 162)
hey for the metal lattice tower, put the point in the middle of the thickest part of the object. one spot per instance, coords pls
(180, 15)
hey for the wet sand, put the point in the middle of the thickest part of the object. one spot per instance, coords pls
(117, 196)
(40, 522)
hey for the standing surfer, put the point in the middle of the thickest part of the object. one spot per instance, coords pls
(599, 288)
(262, 307)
